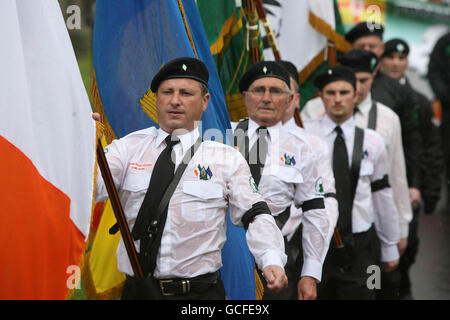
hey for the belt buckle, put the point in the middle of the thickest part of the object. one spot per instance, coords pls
(186, 287)
(161, 285)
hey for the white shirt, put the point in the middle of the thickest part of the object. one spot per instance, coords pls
(285, 183)
(323, 160)
(195, 230)
(388, 126)
(368, 207)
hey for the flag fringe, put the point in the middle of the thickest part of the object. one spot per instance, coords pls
(236, 106)
(98, 107)
(148, 104)
(188, 30)
(259, 288)
(113, 293)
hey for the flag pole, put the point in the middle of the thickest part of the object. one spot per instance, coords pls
(118, 212)
(252, 18)
(273, 44)
(268, 28)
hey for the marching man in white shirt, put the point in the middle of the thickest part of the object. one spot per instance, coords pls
(285, 170)
(375, 115)
(323, 158)
(180, 249)
(367, 213)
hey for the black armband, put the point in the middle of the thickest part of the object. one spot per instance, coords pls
(256, 209)
(312, 204)
(330, 195)
(380, 184)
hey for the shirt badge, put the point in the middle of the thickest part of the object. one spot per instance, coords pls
(202, 173)
(288, 160)
(318, 186)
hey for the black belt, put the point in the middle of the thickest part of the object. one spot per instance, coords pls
(179, 286)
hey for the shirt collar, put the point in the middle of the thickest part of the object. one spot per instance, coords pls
(329, 125)
(272, 130)
(365, 105)
(186, 139)
(289, 124)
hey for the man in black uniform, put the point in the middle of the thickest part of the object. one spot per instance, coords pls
(394, 63)
(369, 36)
(439, 77)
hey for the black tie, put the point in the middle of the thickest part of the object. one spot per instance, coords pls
(162, 175)
(343, 185)
(257, 155)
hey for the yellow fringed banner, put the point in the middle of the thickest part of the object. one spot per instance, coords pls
(98, 107)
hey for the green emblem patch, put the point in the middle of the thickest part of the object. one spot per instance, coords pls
(318, 187)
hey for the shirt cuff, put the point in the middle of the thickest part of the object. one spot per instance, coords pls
(312, 268)
(389, 253)
(273, 258)
(404, 230)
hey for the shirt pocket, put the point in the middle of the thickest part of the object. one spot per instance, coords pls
(136, 182)
(289, 174)
(201, 200)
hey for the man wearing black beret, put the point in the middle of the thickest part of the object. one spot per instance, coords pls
(375, 115)
(399, 98)
(394, 63)
(367, 213)
(175, 190)
(284, 181)
(367, 36)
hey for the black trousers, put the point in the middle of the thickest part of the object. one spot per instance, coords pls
(149, 289)
(348, 280)
(409, 257)
(396, 284)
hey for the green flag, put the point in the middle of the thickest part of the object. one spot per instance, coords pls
(225, 24)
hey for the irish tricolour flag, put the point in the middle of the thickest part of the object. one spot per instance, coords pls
(47, 153)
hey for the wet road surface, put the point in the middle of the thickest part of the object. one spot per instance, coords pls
(430, 275)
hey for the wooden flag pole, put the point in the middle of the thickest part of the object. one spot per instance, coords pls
(252, 18)
(118, 212)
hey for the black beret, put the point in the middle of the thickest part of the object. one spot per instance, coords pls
(395, 45)
(291, 69)
(363, 29)
(359, 60)
(181, 68)
(263, 69)
(335, 74)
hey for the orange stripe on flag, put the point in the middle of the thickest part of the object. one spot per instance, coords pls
(38, 241)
